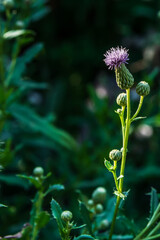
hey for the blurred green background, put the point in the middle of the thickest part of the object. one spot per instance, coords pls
(80, 99)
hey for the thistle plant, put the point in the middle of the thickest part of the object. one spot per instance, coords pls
(117, 58)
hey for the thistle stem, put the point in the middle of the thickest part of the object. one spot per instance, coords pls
(124, 154)
(138, 109)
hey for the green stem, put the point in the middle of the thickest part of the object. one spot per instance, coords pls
(154, 230)
(147, 228)
(37, 206)
(124, 154)
(138, 109)
(123, 123)
(153, 237)
(115, 175)
(114, 217)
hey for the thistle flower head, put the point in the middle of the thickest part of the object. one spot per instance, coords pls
(115, 57)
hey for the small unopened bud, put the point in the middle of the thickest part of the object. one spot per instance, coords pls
(99, 195)
(122, 99)
(90, 203)
(8, 3)
(99, 208)
(115, 155)
(104, 225)
(66, 216)
(38, 171)
(124, 78)
(143, 88)
(20, 24)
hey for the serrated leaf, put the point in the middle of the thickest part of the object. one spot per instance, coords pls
(16, 33)
(108, 165)
(84, 237)
(85, 214)
(42, 219)
(55, 187)
(28, 118)
(56, 213)
(153, 201)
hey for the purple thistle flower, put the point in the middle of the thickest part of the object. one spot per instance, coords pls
(115, 57)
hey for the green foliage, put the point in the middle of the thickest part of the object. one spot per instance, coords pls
(52, 83)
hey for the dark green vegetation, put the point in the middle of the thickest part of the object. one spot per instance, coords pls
(57, 102)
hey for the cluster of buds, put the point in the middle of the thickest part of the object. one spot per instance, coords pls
(96, 206)
(116, 58)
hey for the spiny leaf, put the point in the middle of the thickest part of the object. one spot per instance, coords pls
(56, 213)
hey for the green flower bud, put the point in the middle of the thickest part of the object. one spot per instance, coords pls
(99, 208)
(115, 155)
(99, 195)
(124, 78)
(66, 216)
(143, 88)
(104, 225)
(20, 24)
(122, 99)
(119, 111)
(8, 3)
(38, 171)
(90, 203)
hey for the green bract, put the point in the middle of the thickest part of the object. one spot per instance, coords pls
(124, 78)
(115, 155)
(143, 88)
(66, 216)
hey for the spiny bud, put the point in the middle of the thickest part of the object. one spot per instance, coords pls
(142, 88)
(99, 195)
(8, 3)
(38, 171)
(124, 78)
(99, 208)
(66, 216)
(122, 99)
(115, 155)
